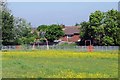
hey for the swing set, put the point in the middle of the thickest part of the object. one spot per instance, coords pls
(42, 37)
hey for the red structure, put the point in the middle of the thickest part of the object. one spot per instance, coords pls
(90, 48)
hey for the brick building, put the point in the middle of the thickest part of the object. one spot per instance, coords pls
(71, 34)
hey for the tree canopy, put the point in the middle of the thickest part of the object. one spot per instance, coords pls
(23, 31)
(7, 28)
(15, 31)
(102, 27)
(52, 32)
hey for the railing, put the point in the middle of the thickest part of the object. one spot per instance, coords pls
(54, 47)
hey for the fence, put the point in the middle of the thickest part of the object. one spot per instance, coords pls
(54, 47)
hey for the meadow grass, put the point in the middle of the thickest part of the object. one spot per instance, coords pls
(59, 64)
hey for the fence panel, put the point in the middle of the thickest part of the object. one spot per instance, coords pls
(55, 47)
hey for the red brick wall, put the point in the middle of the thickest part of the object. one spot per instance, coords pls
(74, 38)
(64, 38)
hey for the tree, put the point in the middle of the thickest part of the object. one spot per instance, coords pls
(15, 30)
(23, 32)
(96, 26)
(103, 28)
(52, 32)
(111, 27)
(7, 28)
(42, 28)
(93, 29)
(118, 31)
(7, 22)
(84, 30)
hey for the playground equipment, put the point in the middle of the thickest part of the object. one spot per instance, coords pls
(42, 37)
(90, 47)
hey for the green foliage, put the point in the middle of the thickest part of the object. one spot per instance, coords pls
(103, 27)
(7, 28)
(96, 18)
(84, 29)
(107, 40)
(96, 27)
(118, 31)
(24, 34)
(52, 32)
(111, 25)
(42, 28)
(118, 18)
(15, 30)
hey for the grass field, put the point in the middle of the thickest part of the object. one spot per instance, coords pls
(59, 64)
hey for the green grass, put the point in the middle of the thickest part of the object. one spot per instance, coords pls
(57, 64)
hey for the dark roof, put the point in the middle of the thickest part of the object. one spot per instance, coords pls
(70, 30)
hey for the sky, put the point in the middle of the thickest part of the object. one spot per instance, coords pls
(67, 13)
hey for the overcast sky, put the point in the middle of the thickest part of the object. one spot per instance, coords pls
(68, 13)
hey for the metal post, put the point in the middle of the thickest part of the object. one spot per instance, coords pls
(33, 47)
(47, 44)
